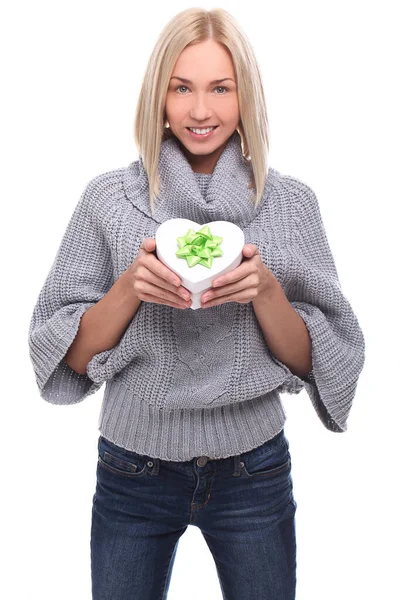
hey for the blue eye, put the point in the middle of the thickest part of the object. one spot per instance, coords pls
(218, 87)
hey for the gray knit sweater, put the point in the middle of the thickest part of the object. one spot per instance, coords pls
(184, 383)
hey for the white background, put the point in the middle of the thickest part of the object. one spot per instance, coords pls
(71, 75)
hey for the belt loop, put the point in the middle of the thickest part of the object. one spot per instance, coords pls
(238, 466)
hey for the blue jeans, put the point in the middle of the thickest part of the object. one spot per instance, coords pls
(243, 505)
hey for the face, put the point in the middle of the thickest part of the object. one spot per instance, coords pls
(194, 99)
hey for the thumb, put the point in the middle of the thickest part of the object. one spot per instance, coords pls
(249, 250)
(149, 244)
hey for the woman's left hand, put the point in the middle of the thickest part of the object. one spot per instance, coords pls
(243, 284)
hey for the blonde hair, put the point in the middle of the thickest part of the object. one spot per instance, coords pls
(189, 27)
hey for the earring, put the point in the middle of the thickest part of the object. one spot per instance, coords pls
(166, 125)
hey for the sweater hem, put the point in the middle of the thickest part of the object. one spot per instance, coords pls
(180, 435)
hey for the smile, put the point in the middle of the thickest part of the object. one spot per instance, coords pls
(200, 133)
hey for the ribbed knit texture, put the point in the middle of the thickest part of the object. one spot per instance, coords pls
(185, 383)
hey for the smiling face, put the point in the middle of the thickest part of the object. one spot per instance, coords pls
(196, 99)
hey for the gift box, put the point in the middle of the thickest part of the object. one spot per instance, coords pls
(199, 253)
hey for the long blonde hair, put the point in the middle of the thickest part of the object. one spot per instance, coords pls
(189, 27)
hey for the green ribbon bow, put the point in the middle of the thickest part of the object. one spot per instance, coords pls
(199, 247)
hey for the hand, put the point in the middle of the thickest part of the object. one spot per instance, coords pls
(152, 281)
(250, 279)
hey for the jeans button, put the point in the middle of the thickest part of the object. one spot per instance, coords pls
(202, 460)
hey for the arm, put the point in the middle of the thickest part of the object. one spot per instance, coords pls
(80, 277)
(315, 294)
(103, 325)
(284, 330)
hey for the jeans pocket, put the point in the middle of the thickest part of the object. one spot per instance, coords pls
(268, 460)
(120, 461)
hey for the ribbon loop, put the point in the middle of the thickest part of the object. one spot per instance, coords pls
(199, 247)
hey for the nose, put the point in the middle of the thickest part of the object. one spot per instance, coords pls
(199, 110)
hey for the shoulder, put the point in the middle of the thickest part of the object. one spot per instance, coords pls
(292, 185)
(102, 192)
(108, 183)
(294, 191)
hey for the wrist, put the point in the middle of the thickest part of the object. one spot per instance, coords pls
(124, 284)
(269, 291)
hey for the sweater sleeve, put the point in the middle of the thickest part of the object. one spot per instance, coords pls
(81, 274)
(337, 341)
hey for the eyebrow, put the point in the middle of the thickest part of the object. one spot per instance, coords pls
(214, 81)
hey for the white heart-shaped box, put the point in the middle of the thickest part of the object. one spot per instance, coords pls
(199, 278)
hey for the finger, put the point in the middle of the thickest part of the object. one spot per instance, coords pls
(244, 269)
(148, 244)
(250, 281)
(241, 296)
(151, 277)
(158, 268)
(156, 300)
(250, 249)
(147, 288)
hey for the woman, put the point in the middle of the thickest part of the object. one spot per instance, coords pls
(192, 422)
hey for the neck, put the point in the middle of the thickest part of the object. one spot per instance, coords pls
(203, 163)
(227, 196)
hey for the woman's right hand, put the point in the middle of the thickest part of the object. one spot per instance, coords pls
(152, 281)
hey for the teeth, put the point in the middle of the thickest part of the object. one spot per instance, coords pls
(201, 131)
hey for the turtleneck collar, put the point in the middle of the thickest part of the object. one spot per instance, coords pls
(227, 197)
